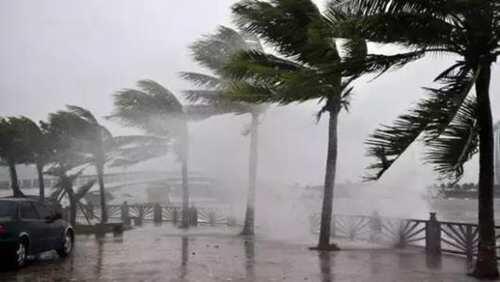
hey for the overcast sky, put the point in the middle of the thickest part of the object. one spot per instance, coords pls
(59, 52)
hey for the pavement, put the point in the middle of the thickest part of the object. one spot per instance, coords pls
(165, 253)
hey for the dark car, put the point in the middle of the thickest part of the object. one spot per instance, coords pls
(29, 226)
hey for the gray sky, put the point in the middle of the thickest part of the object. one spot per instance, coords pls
(62, 52)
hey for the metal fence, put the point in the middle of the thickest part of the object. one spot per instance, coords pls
(433, 235)
(139, 213)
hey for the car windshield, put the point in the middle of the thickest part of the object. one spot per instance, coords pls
(7, 209)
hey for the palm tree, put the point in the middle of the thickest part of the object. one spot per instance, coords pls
(155, 110)
(14, 147)
(99, 142)
(38, 147)
(93, 139)
(212, 52)
(307, 68)
(66, 157)
(88, 138)
(454, 123)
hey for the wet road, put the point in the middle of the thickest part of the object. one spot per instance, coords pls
(164, 253)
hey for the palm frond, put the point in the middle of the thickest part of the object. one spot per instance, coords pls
(296, 28)
(256, 65)
(84, 189)
(201, 80)
(457, 144)
(212, 51)
(152, 108)
(169, 104)
(204, 96)
(439, 8)
(410, 30)
(431, 117)
(83, 113)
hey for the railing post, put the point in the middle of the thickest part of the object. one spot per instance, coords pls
(157, 213)
(194, 214)
(140, 215)
(212, 218)
(125, 214)
(469, 243)
(433, 235)
(174, 216)
(375, 227)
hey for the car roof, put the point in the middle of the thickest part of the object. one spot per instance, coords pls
(25, 199)
(16, 199)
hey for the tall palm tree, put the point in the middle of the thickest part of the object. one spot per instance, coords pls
(213, 52)
(307, 68)
(155, 110)
(454, 123)
(14, 147)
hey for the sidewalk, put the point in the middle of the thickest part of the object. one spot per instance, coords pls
(166, 254)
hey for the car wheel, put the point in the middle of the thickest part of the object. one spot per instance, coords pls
(21, 254)
(67, 244)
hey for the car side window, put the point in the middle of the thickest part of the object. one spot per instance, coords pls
(43, 211)
(27, 211)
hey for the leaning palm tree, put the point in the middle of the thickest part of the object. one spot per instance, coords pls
(213, 52)
(307, 68)
(66, 161)
(155, 110)
(38, 147)
(89, 138)
(14, 146)
(454, 123)
(98, 141)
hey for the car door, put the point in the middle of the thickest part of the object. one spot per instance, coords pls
(50, 226)
(31, 224)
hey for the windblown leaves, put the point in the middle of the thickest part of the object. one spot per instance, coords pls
(431, 117)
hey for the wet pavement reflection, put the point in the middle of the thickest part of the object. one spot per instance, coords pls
(165, 253)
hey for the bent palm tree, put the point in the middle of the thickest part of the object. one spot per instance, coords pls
(39, 149)
(66, 156)
(89, 137)
(14, 146)
(308, 68)
(454, 123)
(157, 111)
(213, 52)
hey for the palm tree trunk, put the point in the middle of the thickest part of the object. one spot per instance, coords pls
(14, 183)
(248, 227)
(100, 179)
(486, 265)
(72, 206)
(497, 153)
(41, 184)
(68, 187)
(185, 184)
(331, 167)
